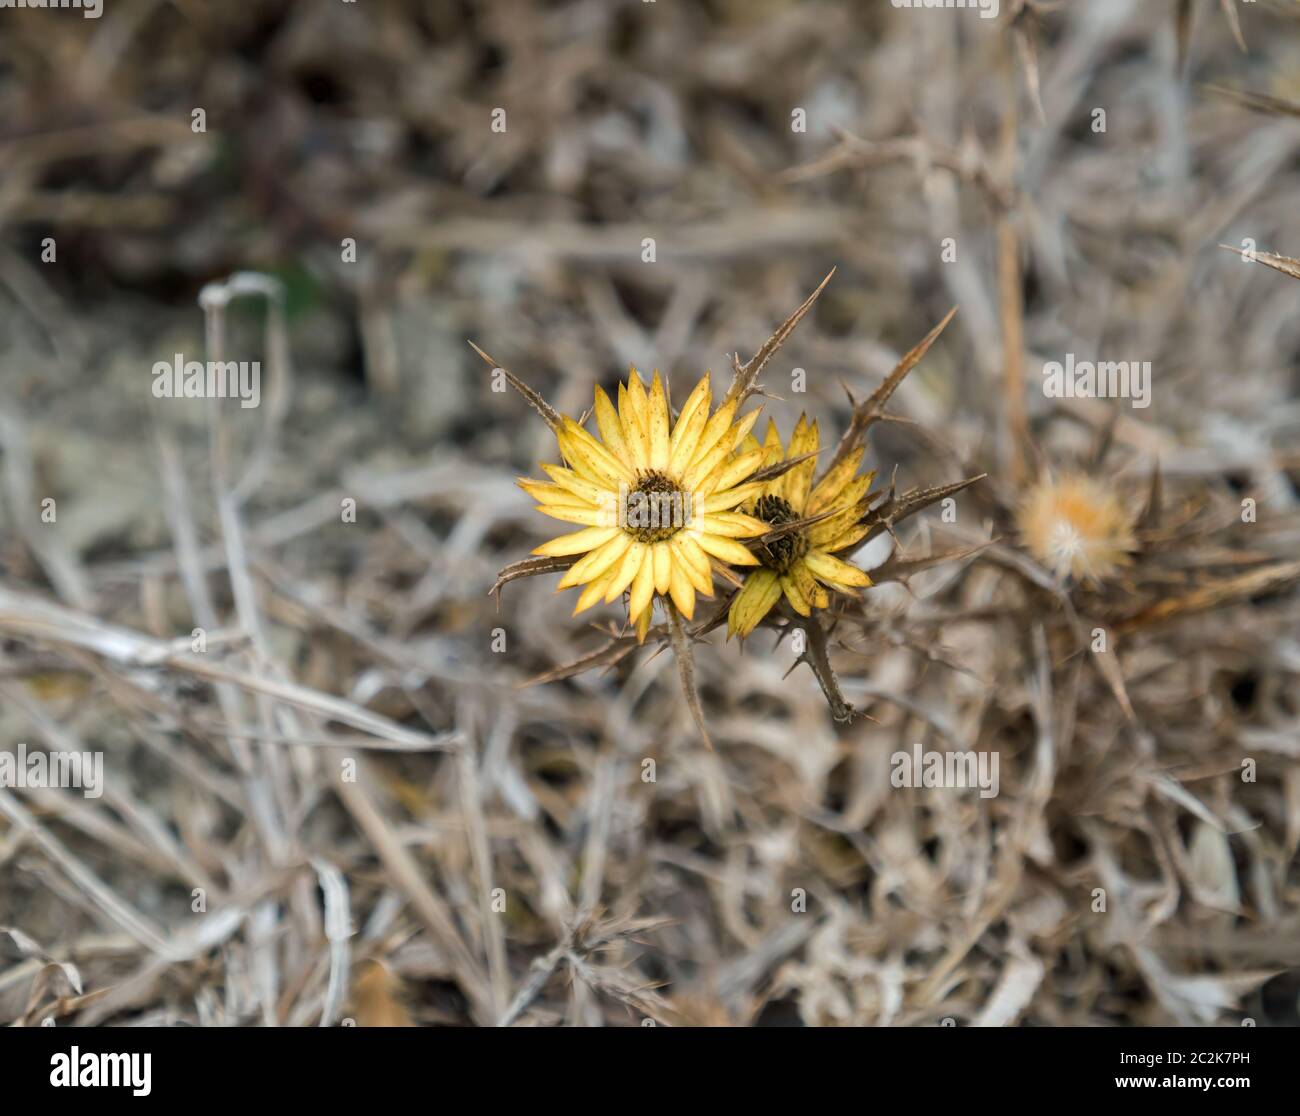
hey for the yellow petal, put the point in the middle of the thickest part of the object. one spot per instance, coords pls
(792, 594)
(663, 564)
(731, 473)
(821, 533)
(643, 587)
(762, 589)
(833, 570)
(851, 511)
(591, 595)
(566, 478)
(707, 461)
(811, 592)
(798, 481)
(699, 399)
(636, 398)
(643, 625)
(682, 454)
(631, 411)
(740, 430)
(611, 430)
(627, 570)
(727, 549)
(772, 446)
(694, 561)
(577, 543)
(829, 487)
(545, 493)
(596, 564)
(683, 592)
(849, 538)
(735, 525)
(690, 425)
(577, 458)
(722, 500)
(591, 517)
(659, 437)
(589, 458)
(713, 431)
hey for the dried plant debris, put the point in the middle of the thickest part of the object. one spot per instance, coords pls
(1285, 264)
(968, 692)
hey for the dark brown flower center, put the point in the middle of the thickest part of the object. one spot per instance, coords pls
(781, 553)
(655, 510)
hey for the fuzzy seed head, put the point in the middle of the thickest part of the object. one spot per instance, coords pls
(1076, 527)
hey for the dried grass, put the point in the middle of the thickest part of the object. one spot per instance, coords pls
(778, 878)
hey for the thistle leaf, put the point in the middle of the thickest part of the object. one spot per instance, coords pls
(897, 508)
(529, 567)
(552, 417)
(866, 413)
(610, 655)
(745, 376)
(780, 468)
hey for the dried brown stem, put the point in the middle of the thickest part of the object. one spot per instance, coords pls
(817, 655)
(686, 670)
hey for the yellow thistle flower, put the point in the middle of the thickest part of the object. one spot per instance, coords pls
(654, 502)
(1076, 526)
(801, 564)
